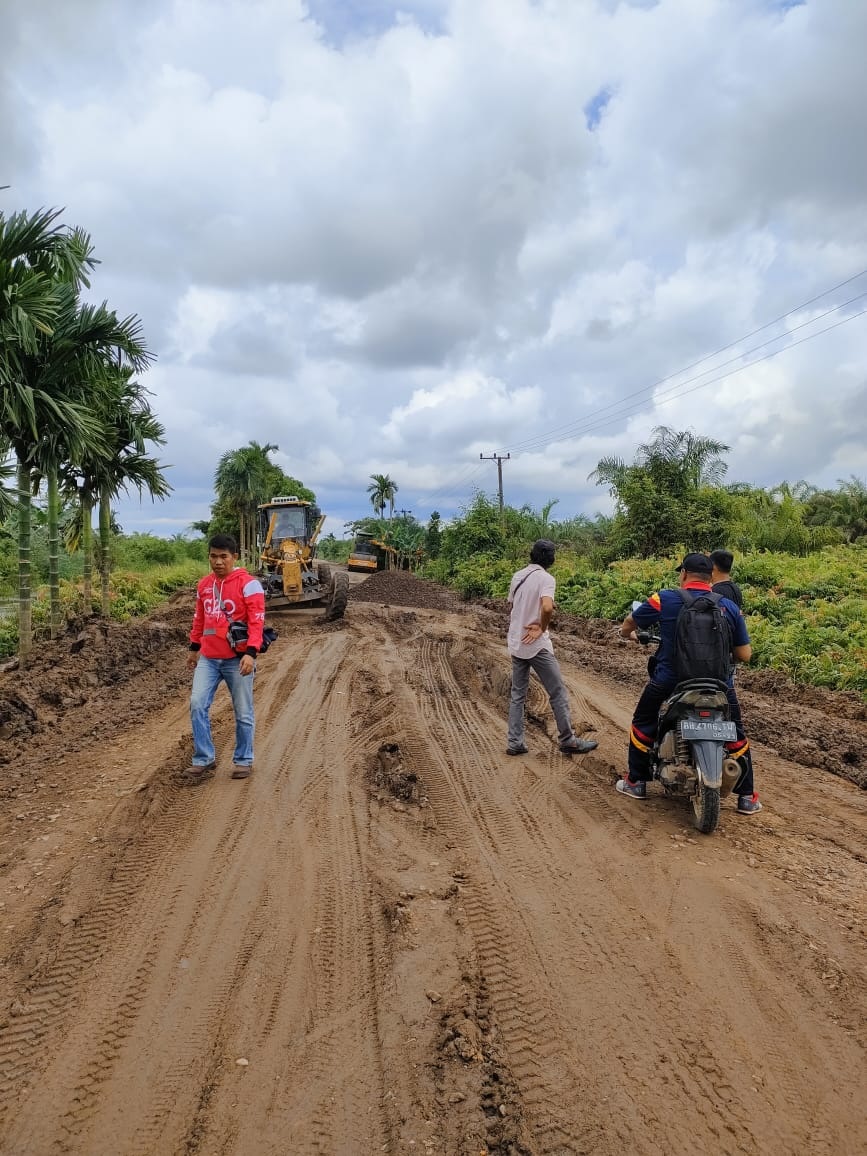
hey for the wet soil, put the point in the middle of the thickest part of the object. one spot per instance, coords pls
(392, 938)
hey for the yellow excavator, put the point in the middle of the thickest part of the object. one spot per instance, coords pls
(288, 530)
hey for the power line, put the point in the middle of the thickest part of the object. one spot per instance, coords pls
(457, 484)
(583, 425)
(541, 438)
(587, 424)
(678, 392)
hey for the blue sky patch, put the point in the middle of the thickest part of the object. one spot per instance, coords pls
(346, 20)
(595, 107)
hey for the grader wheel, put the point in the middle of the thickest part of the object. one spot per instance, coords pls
(338, 596)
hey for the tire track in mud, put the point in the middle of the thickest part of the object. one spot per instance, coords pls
(632, 994)
(91, 1098)
(463, 793)
(53, 993)
(605, 949)
(133, 920)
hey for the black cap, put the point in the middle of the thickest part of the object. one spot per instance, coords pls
(697, 564)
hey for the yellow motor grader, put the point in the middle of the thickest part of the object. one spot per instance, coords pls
(288, 530)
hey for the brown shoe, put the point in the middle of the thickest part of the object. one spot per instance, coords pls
(241, 772)
(194, 775)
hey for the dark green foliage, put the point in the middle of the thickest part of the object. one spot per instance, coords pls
(334, 549)
(479, 531)
(843, 509)
(669, 495)
(433, 536)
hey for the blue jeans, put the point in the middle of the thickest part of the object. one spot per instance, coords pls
(208, 674)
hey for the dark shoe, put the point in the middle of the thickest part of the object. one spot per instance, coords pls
(576, 746)
(630, 789)
(241, 772)
(194, 775)
(521, 750)
(749, 804)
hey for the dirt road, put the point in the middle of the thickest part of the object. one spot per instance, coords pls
(392, 938)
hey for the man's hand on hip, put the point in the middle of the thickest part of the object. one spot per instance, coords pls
(532, 632)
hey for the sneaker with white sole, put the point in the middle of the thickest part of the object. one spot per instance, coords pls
(630, 789)
(749, 804)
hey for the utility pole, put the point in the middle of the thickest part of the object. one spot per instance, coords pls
(499, 459)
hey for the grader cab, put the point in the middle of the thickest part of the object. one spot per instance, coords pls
(288, 530)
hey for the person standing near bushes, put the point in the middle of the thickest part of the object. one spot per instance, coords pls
(531, 597)
(225, 639)
(721, 578)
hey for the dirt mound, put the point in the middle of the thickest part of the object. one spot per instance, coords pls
(94, 680)
(400, 588)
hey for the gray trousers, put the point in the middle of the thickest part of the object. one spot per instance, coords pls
(547, 668)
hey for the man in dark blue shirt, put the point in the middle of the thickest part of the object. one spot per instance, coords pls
(663, 608)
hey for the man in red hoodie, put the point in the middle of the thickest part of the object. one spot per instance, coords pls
(229, 594)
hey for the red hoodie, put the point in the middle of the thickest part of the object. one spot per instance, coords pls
(244, 599)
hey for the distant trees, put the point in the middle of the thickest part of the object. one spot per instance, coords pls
(433, 535)
(669, 495)
(843, 509)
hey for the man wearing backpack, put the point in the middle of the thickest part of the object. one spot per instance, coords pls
(701, 644)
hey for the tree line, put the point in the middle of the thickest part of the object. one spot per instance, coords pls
(672, 496)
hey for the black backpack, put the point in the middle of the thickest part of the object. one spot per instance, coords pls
(703, 637)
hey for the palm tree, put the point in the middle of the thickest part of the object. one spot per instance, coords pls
(241, 482)
(696, 460)
(6, 470)
(127, 425)
(79, 360)
(656, 495)
(382, 490)
(39, 265)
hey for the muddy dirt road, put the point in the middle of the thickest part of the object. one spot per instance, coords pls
(392, 938)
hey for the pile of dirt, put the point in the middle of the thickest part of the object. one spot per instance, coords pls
(94, 680)
(400, 588)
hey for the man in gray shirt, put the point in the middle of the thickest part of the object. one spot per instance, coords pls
(531, 597)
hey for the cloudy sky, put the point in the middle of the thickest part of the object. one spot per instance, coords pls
(393, 237)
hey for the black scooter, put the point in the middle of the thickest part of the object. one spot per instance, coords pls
(688, 755)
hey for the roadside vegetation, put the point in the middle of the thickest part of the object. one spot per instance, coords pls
(801, 553)
(75, 424)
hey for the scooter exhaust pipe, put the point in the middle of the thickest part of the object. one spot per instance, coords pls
(731, 772)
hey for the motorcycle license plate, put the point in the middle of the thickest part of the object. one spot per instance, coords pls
(720, 730)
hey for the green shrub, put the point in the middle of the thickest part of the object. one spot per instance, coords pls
(131, 595)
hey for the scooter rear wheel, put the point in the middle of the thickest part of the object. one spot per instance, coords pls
(705, 805)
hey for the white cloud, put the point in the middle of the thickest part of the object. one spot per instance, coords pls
(391, 239)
